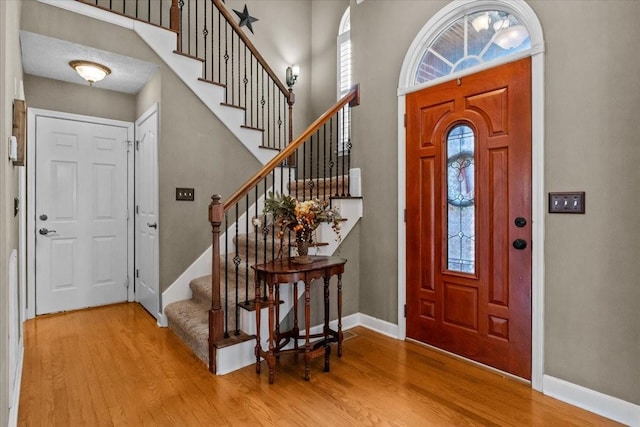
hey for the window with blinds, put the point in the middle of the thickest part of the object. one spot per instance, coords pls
(344, 79)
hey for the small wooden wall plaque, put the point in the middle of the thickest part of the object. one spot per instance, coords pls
(20, 129)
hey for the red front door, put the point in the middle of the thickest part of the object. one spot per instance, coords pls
(469, 217)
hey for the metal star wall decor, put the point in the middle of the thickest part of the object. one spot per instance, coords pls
(245, 18)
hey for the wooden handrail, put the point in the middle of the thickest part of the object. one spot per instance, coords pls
(352, 98)
(254, 51)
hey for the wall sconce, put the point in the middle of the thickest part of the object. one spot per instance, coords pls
(292, 75)
(90, 71)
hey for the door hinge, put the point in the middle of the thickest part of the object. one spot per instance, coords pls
(129, 143)
(137, 273)
(137, 145)
(405, 120)
(127, 214)
(137, 209)
(405, 310)
(126, 283)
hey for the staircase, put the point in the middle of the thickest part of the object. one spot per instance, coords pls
(213, 314)
(189, 318)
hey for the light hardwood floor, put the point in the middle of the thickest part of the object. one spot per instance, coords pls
(113, 366)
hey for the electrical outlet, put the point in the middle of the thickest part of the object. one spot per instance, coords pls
(569, 202)
(185, 194)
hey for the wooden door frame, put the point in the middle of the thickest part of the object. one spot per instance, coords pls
(32, 115)
(406, 85)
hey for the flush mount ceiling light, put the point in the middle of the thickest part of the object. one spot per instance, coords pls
(90, 71)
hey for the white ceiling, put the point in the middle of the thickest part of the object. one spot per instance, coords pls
(49, 57)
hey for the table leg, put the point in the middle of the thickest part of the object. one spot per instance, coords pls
(270, 357)
(307, 321)
(277, 316)
(257, 304)
(327, 346)
(339, 315)
(296, 329)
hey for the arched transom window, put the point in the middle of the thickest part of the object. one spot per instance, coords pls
(472, 40)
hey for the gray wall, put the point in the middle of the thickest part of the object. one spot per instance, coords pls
(592, 298)
(592, 93)
(10, 70)
(57, 95)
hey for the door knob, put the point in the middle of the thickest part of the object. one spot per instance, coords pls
(44, 217)
(519, 244)
(520, 222)
(44, 231)
(154, 225)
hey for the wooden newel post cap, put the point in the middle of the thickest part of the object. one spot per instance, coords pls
(216, 209)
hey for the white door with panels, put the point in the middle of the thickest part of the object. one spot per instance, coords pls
(146, 212)
(81, 212)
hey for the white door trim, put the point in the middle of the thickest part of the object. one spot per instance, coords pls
(32, 114)
(437, 23)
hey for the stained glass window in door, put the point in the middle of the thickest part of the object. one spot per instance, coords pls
(461, 253)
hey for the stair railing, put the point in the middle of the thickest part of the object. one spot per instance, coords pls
(323, 162)
(207, 31)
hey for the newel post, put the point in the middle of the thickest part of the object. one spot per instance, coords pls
(174, 21)
(216, 317)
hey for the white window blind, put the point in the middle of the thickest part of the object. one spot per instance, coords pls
(344, 79)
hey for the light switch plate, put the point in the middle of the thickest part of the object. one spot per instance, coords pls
(567, 202)
(185, 194)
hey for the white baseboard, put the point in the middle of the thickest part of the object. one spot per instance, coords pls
(381, 326)
(592, 401)
(13, 409)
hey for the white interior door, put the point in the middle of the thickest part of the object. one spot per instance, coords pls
(147, 283)
(81, 212)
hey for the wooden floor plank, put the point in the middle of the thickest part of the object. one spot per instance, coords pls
(112, 366)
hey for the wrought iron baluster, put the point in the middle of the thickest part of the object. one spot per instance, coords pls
(226, 62)
(265, 233)
(310, 184)
(220, 47)
(236, 263)
(245, 80)
(331, 164)
(262, 102)
(324, 162)
(256, 228)
(349, 146)
(246, 251)
(226, 276)
(279, 142)
(205, 33)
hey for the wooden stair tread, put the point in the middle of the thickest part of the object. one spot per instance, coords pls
(225, 104)
(212, 82)
(252, 128)
(186, 55)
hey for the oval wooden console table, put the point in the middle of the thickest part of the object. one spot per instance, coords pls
(280, 271)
